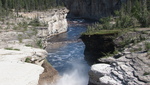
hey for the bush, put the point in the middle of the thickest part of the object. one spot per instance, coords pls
(28, 60)
(12, 49)
(35, 22)
(147, 46)
(39, 43)
(20, 38)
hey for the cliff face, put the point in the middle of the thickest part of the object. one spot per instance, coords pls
(92, 9)
(97, 45)
(127, 67)
(55, 18)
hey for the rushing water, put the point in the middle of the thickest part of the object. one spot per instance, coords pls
(68, 58)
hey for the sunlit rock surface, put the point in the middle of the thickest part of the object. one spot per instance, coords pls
(131, 68)
(55, 18)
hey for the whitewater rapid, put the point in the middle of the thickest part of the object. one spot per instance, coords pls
(68, 59)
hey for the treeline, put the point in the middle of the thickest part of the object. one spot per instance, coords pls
(132, 14)
(27, 5)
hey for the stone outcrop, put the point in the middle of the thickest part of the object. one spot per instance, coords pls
(49, 76)
(21, 63)
(14, 69)
(55, 18)
(132, 68)
(97, 46)
(92, 9)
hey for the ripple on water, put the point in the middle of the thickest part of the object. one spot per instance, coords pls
(69, 60)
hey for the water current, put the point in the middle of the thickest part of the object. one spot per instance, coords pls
(66, 55)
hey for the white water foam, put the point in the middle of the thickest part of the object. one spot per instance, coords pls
(76, 76)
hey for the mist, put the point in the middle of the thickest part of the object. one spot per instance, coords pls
(78, 75)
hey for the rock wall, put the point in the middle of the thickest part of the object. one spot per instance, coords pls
(97, 45)
(92, 9)
(55, 18)
(132, 68)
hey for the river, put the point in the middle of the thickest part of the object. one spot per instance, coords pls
(66, 55)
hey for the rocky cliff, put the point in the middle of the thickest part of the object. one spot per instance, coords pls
(55, 18)
(129, 66)
(92, 9)
(97, 45)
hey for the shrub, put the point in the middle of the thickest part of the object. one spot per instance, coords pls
(35, 22)
(20, 38)
(12, 49)
(28, 45)
(147, 46)
(39, 43)
(28, 60)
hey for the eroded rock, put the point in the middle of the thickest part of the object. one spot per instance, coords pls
(130, 69)
(55, 18)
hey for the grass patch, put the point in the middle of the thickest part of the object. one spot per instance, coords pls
(35, 22)
(12, 49)
(146, 73)
(39, 43)
(29, 45)
(28, 60)
(147, 46)
(20, 38)
(101, 32)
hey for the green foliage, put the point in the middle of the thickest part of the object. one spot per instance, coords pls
(124, 22)
(107, 54)
(35, 22)
(28, 60)
(20, 38)
(28, 45)
(34, 31)
(148, 5)
(147, 46)
(132, 14)
(101, 32)
(146, 73)
(39, 43)
(27, 5)
(12, 49)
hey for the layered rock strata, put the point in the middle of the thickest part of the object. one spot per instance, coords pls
(132, 68)
(97, 46)
(55, 18)
(129, 66)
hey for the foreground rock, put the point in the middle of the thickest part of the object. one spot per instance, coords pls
(121, 60)
(15, 69)
(132, 68)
